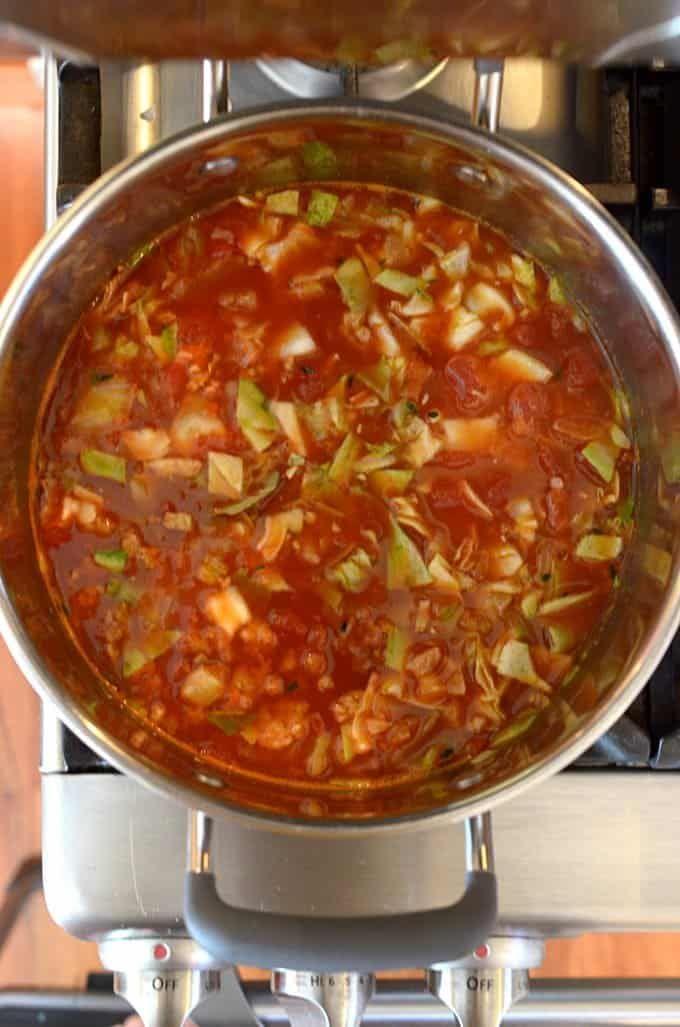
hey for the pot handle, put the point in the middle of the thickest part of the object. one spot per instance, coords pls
(331, 944)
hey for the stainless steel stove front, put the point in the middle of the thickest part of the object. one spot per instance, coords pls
(586, 851)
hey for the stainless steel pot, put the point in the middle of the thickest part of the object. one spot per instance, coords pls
(543, 213)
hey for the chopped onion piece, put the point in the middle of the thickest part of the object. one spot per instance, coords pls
(295, 341)
(456, 263)
(179, 521)
(228, 610)
(201, 687)
(104, 405)
(196, 420)
(469, 434)
(552, 606)
(175, 467)
(146, 443)
(486, 301)
(504, 561)
(517, 364)
(464, 326)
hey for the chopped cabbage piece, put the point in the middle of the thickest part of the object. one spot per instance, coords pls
(355, 285)
(233, 509)
(524, 271)
(670, 458)
(556, 292)
(399, 282)
(376, 458)
(111, 559)
(378, 377)
(599, 547)
(657, 563)
(443, 575)
(319, 159)
(390, 482)
(276, 529)
(353, 572)
(342, 464)
(287, 416)
(321, 208)
(103, 465)
(515, 729)
(255, 420)
(225, 475)
(602, 458)
(286, 202)
(405, 566)
(514, 661)
(395, 649)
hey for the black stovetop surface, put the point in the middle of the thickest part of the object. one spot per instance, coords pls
(641, 149)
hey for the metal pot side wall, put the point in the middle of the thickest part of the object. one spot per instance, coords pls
(543, 213)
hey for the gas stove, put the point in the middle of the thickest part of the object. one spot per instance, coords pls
(113, 852)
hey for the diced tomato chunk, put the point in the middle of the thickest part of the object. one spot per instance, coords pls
(472, 391)
(528, 404)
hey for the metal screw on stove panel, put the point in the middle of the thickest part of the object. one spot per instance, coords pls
(164, 979)
(481, 988)
(323, 1000)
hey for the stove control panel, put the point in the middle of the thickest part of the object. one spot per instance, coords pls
(482, 987)
(323, 1000)
(163, 978)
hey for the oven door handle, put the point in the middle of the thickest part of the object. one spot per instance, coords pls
(322, 944)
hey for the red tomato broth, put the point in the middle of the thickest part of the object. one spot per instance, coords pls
(301, 689)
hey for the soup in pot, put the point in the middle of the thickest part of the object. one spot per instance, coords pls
(332, 484)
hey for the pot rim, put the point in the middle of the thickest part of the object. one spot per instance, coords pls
(546, 175)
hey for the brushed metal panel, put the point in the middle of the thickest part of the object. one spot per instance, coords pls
(587, 850)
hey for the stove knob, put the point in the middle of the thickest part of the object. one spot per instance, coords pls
(163, 979)
(322, 1000)
(483, 986)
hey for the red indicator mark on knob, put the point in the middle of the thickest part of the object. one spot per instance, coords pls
(483, 952)
(161, 950)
